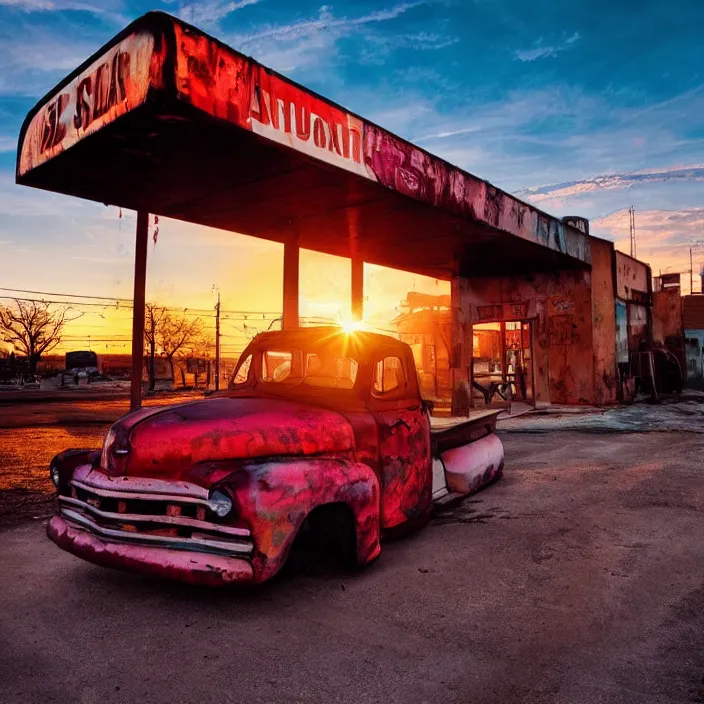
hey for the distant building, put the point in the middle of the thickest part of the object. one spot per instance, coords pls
(693, 318)
(425, 324)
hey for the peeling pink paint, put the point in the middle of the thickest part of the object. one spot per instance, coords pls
(277, 455)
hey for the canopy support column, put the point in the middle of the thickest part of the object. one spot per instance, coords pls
(357, 289)
(357, 292)
(291, 288)
(140, 282)
(461, 348)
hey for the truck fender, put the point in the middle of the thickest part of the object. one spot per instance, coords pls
(273, 499)
(69, 460)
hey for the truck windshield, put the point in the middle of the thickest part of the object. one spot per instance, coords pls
(297, 367)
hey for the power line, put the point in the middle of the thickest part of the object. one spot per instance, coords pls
(67, 295)
(239, 314)
(70, 304)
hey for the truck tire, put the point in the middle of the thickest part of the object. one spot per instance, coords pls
(333, 533)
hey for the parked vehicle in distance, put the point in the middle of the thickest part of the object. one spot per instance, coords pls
(319, 429)
(82, 364)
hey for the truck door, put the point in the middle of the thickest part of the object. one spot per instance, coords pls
(404, 442)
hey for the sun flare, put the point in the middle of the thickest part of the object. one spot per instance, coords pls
(350, 326)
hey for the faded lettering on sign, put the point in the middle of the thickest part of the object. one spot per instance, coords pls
(515, 311)
(505, 311)
(284, 113)
(489, 312)
(115, 83)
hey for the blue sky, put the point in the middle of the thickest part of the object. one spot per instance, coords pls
(584, 107)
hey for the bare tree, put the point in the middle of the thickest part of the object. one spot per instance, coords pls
(31, 328)
(155, 319)
(176, 333)
(201, 348)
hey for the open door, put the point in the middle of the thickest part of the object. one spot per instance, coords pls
(519, 361)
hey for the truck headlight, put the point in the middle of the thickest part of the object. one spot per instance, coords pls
(54, 474)
(220, 502)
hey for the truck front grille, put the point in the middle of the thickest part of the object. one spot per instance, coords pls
(178, 521)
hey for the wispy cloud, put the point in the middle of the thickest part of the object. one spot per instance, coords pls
(656, 229)
(107, 8)
(29, 5)
(608, 182)
(664, 238)
(326, 21)
(205, 13)
(8, 144)
(545, 51)
(305, 43)
(35, 58)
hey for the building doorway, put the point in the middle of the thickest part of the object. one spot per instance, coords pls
(502, 364)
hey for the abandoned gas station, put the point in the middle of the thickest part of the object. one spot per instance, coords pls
(167, 120)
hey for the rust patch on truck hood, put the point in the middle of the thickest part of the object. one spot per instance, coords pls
(169, 441)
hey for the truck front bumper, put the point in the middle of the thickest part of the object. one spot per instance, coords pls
(183, 565)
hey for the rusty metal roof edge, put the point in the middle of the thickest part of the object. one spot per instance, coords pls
(155, 20)
(369, 122)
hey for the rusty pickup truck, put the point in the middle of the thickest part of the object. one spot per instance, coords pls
(319, 430)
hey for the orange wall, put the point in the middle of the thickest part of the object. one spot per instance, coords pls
(667, 315)
(631, 275)
(559, 303)
(604, 321)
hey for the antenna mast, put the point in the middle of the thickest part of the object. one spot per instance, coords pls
(632, 217)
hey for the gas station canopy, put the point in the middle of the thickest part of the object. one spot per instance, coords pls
(167, 120)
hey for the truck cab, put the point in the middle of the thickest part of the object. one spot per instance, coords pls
(318, 427)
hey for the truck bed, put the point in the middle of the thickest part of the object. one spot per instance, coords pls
(448, 433)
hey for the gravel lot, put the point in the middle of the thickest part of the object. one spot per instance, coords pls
(578, 577)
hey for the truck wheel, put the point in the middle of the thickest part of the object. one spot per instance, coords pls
(333, 534)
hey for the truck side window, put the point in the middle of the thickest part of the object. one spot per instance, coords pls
(243, 372)
(276, 366)
(388, 376)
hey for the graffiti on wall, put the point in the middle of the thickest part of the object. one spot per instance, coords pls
(561, 304)
(561, 329)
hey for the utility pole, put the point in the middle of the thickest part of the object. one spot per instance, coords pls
(217, 343)
(691, 272)
(632, 217)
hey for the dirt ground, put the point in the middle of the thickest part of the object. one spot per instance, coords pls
(33, 431)
(578, 577)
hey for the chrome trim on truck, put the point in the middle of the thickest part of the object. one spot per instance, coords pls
(134, 510)
(142, 495)
(150, 518)
(194, 544)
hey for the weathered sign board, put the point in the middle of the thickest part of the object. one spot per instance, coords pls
(159, 61)
(115, 83)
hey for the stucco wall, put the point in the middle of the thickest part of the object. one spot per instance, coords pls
(667, 315)
(604, 323)
(631, 276)
(559, 303)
